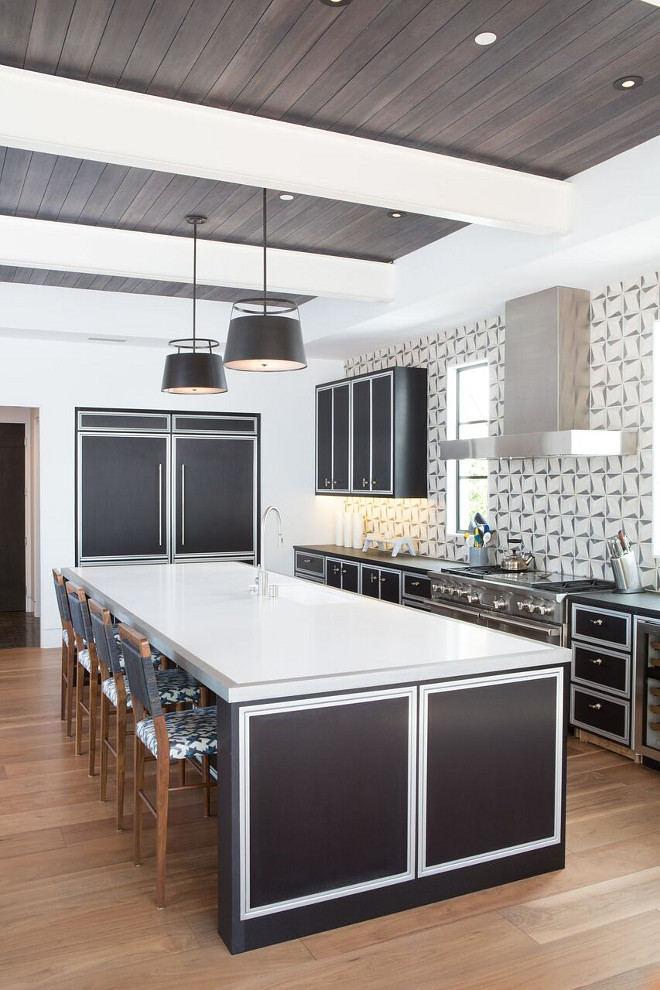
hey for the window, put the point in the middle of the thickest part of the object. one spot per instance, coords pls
(467, 417)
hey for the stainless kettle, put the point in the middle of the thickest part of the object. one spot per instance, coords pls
(517, 559)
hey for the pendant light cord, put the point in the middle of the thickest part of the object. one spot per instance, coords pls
(194, 285)
(265, 245)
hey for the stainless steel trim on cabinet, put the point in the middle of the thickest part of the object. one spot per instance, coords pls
(117, 414)
(623, 657)
(624, 739)
(598, 623)
(160, 505)
(306, 704)
(183, 505)
(640, 699)
(423, 869)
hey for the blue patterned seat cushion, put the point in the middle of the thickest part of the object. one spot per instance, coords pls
(174, 686)
(83, 658)
(65, 637)
(192, 733)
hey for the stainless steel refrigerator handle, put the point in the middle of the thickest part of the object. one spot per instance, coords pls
(160, 505)
(183, 505)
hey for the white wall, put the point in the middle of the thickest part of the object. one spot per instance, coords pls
(55, 377)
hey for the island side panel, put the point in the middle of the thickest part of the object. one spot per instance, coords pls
(250, 915)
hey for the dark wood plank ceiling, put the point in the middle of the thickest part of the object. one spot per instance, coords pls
(540, 99)
(51, 187)
(115, 283)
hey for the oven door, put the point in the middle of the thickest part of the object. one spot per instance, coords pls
(540, 631)
(452, 610)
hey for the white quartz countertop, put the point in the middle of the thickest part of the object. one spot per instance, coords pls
(310, 639)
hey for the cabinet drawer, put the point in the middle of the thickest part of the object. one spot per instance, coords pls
(598, 713)
(416, 586)
(602, 625)
(601, 668)
(312, 563)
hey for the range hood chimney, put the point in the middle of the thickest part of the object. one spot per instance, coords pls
(546, 385)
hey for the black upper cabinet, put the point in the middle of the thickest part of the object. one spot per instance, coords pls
(214, 495)
(377, 423)
(123, 496)
(333, 438)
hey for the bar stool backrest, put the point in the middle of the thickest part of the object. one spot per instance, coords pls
(140, 671)
(62, 599)
(104, 637)
(82, 624)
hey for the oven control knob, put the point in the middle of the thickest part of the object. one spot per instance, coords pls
(543, 609)
(525, 606)
(472, 598)
(499, 604)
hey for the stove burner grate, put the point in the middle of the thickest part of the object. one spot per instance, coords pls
(577, 584)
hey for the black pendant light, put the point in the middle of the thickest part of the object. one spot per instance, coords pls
(194, 369)
(263, 336)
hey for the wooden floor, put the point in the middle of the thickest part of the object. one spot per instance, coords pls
(76, 914)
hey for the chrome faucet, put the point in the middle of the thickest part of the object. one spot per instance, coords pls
(262, 573)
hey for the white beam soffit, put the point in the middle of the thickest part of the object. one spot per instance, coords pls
(28, 243)
(51, 114)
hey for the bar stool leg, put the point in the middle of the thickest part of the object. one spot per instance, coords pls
(138, 785)
(80, 687)
(70, 666)
(121, 762)
(162, 801)
(105, 735)
(93, 687)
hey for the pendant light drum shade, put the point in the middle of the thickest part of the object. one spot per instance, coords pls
(264, 332)
(194, 372)
(194, 369)
(263, 337)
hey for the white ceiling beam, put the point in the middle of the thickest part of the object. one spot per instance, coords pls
(28, 243)
(83, 120)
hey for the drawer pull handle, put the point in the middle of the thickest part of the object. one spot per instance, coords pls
(306, 560)
(335, 569)
(382, 580)
(373, 577)
(365, 482)
(597, 707)
(414, 584)
(597, 622)
(328, 483)
(597, 661)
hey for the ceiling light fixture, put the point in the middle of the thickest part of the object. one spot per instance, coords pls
(485, 38)
(287, 197)
(396, 214)
(194, 369)
(628, 82)
(262, 337)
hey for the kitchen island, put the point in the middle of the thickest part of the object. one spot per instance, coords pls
(370, 758)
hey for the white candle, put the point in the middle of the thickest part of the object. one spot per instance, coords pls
(348, 529)
(339, 529)
(358, 529)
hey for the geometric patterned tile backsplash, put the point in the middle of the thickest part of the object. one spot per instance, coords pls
(565, 508)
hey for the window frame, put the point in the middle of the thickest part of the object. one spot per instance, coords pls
(453, 428)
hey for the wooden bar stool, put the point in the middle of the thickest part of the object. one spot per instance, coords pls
(188, 735)
(87, 670)
(176, 687)
(68, 651)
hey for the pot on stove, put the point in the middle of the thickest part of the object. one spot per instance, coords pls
(517, 559)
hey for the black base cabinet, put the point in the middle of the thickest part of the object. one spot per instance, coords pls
(162, 486)
(362, 803)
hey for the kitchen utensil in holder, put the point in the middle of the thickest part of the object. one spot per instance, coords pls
(626, 573)
(478, 557)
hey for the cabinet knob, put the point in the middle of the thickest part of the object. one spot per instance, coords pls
(373, 483)
(597, 661)
(597, 622)
(334, 483)
(328, 483)
(365, 482)
(335, 569)
(374, 577)
(597, 707)
(343, 570)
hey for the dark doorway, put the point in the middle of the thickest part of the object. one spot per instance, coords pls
(12, 517)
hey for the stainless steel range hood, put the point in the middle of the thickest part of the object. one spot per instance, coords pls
(546, 385)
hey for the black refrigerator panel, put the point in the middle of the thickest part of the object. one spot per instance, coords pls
(214, 487)
(123, 504)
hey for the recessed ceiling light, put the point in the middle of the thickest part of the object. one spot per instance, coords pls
(486, 38)
(628, 82)
(336, 3)
(287, 197)
(396, 214)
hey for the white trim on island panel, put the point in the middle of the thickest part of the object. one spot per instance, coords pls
(245, 717)
(423, 869)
